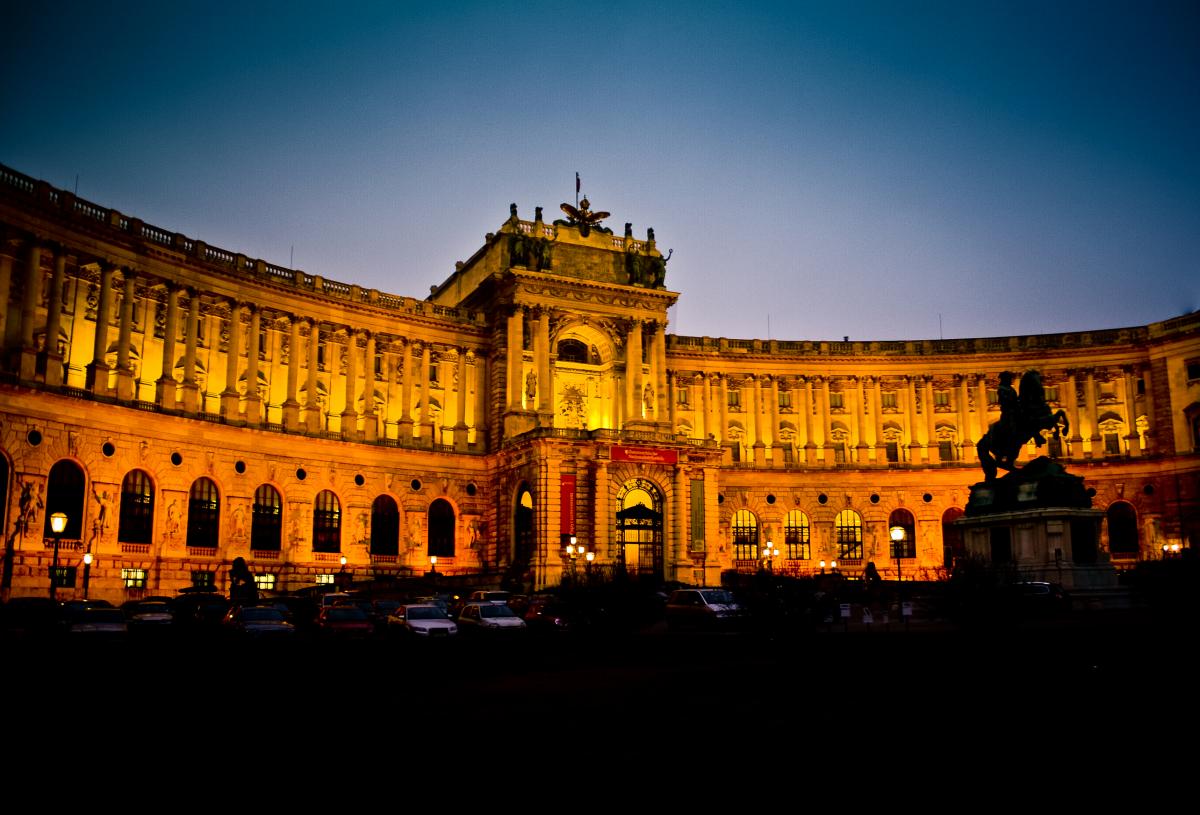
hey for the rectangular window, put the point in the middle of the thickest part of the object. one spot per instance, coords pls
(946, 450)
(62, 577)
(887, 399)
(325, 580)
(1052, 394)
(835, 399)
(789, 454)
(994, 396)
(265, 582)
(321, 357)
(697, 515)
(1193, 369)
(893, 451)
(839, 453)
(204, 580)
(134, 578)
(378, 366)
(681, 396)
(785, 400)
(433, 374)
(1112, 444)
(941, 398)
(1055, 447)
(735, 398)
(735, 452)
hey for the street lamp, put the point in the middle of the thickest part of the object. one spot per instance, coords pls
(58, 524)
(433, 563)
(769, 554)
(87, 572)
(898, 534)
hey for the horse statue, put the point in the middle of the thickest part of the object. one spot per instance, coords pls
(1023, 417)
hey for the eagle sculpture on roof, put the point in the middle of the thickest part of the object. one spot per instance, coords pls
(583, 218)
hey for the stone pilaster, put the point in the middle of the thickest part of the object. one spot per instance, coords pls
(53, 357)
(97, 369)
(166, 389)
(125, 383)
(230, 396)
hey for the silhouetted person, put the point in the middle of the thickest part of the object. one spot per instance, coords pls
(242, 589)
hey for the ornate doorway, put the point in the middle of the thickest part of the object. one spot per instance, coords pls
(639, 540)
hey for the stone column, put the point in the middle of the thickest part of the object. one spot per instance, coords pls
(826, 421)
(981, 405)
(723, 407)
(545, 388)
(349, 411)
(679, 556)
(964, 415)
(166, 389)
(773, 435)
(1072, 403)
(933, 454)
(910, 395)
(633, 371)
(425, 427)
(860, 394)
(705, 414)
(1149, 404)
(191, 389)
(660, 374)
(1095, 448)
(480, 419)
(6, 268)
(391, 363)
(370, 418)
(1132, 438)
(230, 396)
(97, 369)
(291, 405)
(810, 445)
(516, 342)
(756, 421)
(460, 427)
(603, 518)
(312, 407)
(253, 350)
(125, 383)
(29, 304)
(406, 392)
(877, 415)
(54, 359)
(672, 407)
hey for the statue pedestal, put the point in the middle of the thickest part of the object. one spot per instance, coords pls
(1039, 521)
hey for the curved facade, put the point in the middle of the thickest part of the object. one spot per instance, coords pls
(185, 405)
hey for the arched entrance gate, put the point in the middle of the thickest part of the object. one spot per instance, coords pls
(639, 539)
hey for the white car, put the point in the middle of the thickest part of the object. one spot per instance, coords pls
(421, 620)
(489, 617)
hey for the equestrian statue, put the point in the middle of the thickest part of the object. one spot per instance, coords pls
(1023, 417)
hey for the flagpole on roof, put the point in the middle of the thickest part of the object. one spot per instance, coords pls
(576, 190)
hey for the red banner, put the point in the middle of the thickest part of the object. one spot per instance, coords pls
(644, 455)
(567, 526)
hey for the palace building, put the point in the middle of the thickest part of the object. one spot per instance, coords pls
(184, 405)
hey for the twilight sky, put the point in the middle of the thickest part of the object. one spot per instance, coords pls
(874, 170)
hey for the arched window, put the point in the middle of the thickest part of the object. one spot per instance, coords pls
(907, 545)
(266, 520)
(952, 541)
(523, 525)
(441, 528)
(745, 535)
(204, 514)
(385, 526)
(572, 351)
(327, 523)
(848, 529)
(795, 535)
(1122, 530)
(137, 508)
(64, 493)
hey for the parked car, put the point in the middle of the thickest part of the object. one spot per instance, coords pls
(148, 615)
(257, 622)
(701, 608)
(31, 617)
(421, 620)
(344, 622)
(107, 622)
(489, 617)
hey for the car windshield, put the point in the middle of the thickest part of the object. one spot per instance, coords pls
(718, 597)
(346, 613)
(257, 615)
(496, 611)
(426, 614)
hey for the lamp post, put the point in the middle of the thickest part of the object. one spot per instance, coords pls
(343, 577)
(58, 524)
(588, 557)
(898, 534)
(433, 563)
(87, 572)
(769, 554)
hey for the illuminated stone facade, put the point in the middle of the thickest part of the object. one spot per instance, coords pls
(186, 405)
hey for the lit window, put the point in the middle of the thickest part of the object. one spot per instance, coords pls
(795, 535)
(848, 529)
(205, 580)
(137, 508)
(745, 535)
(204, 514)
(266, 521)
(265, 582)
(325, 580)
(62, 577)
(327, 523)
(134, 578)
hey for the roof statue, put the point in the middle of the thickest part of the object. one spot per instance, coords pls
(585, 219)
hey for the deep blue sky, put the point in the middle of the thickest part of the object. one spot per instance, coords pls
(850, 169)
